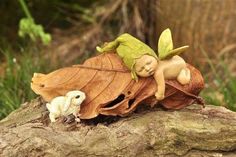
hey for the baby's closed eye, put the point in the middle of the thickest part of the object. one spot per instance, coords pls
(141, 69)
(149, 62)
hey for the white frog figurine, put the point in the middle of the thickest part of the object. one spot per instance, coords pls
(66, 105)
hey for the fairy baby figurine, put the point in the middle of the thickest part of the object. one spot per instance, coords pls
(144, 62)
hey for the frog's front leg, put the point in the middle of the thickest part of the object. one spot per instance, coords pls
(160, 80)
(75, 113)
(52, 117)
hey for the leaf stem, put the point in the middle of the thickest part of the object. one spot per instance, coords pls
(25, 9)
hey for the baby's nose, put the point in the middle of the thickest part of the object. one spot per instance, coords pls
(147, 68)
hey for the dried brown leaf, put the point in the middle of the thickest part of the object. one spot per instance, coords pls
(110, 89)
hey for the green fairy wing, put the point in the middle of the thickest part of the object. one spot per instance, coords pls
(165, 46)
(176, 51)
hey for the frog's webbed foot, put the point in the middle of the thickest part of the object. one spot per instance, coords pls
(69, 119)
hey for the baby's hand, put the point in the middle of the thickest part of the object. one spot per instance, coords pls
(159, 96)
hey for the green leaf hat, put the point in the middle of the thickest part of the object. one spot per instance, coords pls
(129, 49)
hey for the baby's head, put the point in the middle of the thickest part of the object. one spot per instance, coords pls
(145, 66)
(135, 54)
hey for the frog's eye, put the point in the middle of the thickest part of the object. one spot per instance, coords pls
(77, 97)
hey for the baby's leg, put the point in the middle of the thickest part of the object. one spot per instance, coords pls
(184, 76)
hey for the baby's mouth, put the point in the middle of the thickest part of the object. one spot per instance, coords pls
(151, 72)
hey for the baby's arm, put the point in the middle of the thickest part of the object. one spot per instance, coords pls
(160, 80)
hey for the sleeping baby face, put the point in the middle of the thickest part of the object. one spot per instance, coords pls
(145, 66)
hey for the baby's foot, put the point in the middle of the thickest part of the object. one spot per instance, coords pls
(184, 76)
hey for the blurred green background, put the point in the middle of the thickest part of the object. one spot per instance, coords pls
(77, 26)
